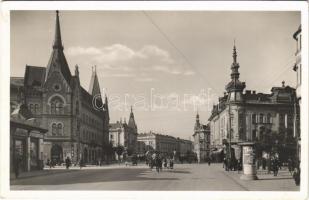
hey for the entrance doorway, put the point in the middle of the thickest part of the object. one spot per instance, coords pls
(56, 154)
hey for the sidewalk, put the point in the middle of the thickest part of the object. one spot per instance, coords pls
(62, 169)
(44, 172)
(266, 182)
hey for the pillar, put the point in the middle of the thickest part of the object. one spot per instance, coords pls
(249, 168)
(28, 148)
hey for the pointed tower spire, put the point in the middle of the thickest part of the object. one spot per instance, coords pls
(197, 120)
(131, 122)
(57, 41)
(57, 61)
(94, 87)
(235, 86)
(234, 54)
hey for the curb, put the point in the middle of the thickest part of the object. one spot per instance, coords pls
(47, 174)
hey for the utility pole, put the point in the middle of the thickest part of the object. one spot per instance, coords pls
(230, 137)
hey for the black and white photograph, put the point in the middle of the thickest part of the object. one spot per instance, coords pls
(157, 100)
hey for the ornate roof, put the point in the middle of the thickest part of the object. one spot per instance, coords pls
(34, 76)
(235, 84)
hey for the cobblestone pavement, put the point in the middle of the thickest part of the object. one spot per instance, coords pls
(191, 177)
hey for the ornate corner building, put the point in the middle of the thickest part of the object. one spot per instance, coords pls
(124, 134)
(201, 141)
(241, 116)
(76, 119)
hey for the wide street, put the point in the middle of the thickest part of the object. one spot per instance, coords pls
(183, 177)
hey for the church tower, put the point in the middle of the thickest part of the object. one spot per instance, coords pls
(131, 122)
(57, 61)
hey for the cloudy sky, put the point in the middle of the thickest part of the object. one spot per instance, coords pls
(166, 64)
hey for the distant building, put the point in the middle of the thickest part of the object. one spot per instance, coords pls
(76, 128)
(201, 140)
(124, 134)
(165, 144)
(250, 116)
(184, 147)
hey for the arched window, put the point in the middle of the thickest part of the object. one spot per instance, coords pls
(54, 129)
(56, 105)
(268, 118)
(59, 129)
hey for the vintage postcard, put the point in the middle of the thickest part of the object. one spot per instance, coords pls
(167, 100)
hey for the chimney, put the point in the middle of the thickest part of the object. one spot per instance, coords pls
(253, 92)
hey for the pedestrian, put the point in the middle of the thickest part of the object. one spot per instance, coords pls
(224, 162)
(68, 162)
(239, 166)
(209, 161)
(268, 161)
(290, 165)
(157, 162)
(165, 162)
(275, 165)
(263, 163)
(16, 166)
(81, 163)
(48, 163)
(296, 176)
(171, 163)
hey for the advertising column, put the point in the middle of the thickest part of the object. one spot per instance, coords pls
(249, 168)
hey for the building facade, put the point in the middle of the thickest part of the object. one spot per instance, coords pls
(26, 135)
(298, 69)
(165, 144)
(124, 134)
(77, 120)
(249, 116)
(201, 140)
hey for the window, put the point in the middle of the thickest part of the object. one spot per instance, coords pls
(253, 118)
(56, 105)
(59, 129)
(31, 107)
(253, 135)
(261, 118)
(36, 108)
(54, 129)
(268, 118)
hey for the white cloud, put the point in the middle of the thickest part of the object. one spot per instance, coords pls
(119, 59)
